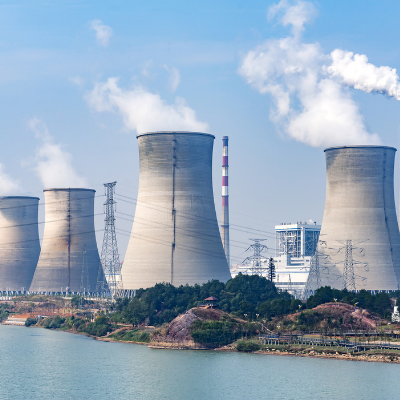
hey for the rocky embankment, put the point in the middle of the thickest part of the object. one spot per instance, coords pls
(388, 357)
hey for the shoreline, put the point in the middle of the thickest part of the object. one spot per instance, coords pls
(344, 357)
(180, 346)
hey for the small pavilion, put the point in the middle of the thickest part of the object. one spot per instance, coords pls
(211, 302)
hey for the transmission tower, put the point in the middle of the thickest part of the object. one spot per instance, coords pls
(314, 278)
(349, 282)
(109, 252)
(349, 277)
(256, 260)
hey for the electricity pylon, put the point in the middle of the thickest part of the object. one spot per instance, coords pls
(349, 277)
(257, 264)
(314, 278)
(109, 253)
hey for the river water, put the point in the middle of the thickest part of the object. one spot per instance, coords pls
(42, 364)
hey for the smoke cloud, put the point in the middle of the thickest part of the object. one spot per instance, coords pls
(8, 186)
(53, 163)
(143, 111)
(103, 32)
(310, 89)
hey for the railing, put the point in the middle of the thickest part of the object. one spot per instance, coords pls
(302, 340)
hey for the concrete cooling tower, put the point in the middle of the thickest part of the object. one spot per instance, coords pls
(69, 259)
(19, 242)
(175, 236)
(359, 245)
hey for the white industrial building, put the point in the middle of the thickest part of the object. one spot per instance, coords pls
(295, 246)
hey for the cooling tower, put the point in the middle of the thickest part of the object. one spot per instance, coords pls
(359, 245)
(19, 241)
(175, 236)
(69, 259)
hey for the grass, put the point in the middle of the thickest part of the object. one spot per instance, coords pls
(136, 335)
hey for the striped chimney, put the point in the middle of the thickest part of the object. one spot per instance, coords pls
(225, 199)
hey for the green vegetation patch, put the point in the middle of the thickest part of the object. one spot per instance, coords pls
(215, 333)
(31, 321)
(4, 311)
(100, 327)
(378, 303)
(53, 322)
(245, 296)
(136, 335)
(247, 346)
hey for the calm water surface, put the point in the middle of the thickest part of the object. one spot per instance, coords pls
(43, 364)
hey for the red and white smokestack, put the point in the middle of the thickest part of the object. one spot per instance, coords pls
(225, 199)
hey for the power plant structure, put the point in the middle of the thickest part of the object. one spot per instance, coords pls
(175, 236)
(295, 247)
(69, 260)
(19, 242)
(225, 199)
(359, 243)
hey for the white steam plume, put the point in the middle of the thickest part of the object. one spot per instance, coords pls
(174, 78)
(311, 104)
(143, 111)
(53, 163)
(295, 15)
(103, 32)
(354, 70)
(8, 186)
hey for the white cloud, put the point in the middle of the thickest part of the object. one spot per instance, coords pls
(142, 110)
(53, 163)
(103, 32)
(8, 186)
(174, 78)
(147, 67)
(77, 80)
(310, 105)
(295, 15)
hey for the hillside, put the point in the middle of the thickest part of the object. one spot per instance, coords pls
(329, 316)
(199, 328)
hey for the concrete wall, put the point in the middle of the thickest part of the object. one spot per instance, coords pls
(19, 241)
(68, 234)
(175, 236)
(360, 207)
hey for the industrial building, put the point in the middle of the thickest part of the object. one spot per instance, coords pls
(19, 242)
(69, 260)
(359, 246)
(295, 246)
(175, 236)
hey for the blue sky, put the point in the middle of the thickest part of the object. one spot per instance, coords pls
(52, 62)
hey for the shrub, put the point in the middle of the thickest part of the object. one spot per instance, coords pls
(136, 335)
(30, 321)
(214, 333)
(53, 322)
(247, 347)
